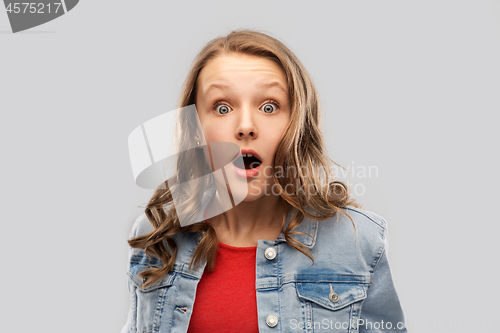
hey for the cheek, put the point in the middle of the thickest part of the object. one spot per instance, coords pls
(215, 132)
(273, 136)
(272, 144)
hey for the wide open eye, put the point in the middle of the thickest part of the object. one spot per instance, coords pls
(222, 109)
(269, 108)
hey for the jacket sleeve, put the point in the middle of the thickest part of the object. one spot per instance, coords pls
(130, 326)
(381, 310)
(140, 226)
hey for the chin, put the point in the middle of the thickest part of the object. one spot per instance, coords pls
(257, 192)
(246, 194)
(244, 191)
(253, 196)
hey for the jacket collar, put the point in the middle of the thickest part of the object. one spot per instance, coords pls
(307, 226)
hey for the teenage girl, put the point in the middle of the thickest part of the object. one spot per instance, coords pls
(293, 252)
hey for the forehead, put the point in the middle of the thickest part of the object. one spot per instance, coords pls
(229, 69)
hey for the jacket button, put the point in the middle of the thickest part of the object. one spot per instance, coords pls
(270, 253)
(272, 320)
(333, 297)
(144, 280)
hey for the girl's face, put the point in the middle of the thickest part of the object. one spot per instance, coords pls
(243, 99)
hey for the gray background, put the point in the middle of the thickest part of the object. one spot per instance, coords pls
(411, 87)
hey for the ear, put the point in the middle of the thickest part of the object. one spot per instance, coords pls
(198, 141)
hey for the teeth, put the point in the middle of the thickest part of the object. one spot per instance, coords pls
(247, 155)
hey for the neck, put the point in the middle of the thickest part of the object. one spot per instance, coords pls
(250, 221)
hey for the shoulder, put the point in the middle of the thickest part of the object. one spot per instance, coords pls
(366, 219)
(141, 226)
(353, 233)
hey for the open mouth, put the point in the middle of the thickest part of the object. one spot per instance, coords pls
(249, 162)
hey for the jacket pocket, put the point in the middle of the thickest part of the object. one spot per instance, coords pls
(331, 295)
(333, 304)
(150, 301)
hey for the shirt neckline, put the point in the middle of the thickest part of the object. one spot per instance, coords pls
(236, 248)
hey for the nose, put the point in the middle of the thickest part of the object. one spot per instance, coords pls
(246, 128)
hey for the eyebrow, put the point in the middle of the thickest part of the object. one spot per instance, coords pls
(223, 86)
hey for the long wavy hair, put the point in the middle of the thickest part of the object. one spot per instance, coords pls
(311, 190)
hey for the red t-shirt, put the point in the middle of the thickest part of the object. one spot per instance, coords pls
(226, 300)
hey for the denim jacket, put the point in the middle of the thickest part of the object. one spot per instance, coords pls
(349, 288)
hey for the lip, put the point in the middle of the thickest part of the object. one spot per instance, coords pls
(243, 172)
(247, 173)
(247, 151)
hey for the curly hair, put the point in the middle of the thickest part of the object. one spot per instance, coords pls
(311, 191)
